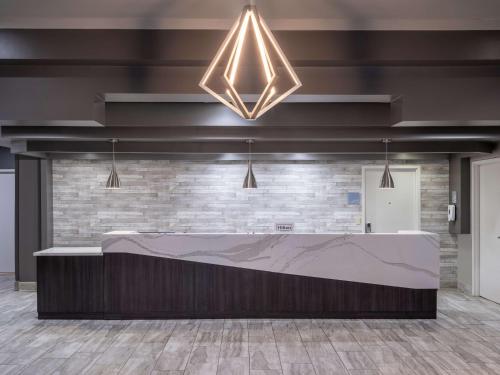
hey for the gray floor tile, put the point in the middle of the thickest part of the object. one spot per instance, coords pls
(464, 339)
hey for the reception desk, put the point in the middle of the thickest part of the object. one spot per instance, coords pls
(206, 275)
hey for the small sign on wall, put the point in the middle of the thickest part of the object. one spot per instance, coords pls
(283, 227)
(353, 198)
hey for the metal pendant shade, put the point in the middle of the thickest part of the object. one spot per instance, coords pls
(113, 179)
(386, 182)
(250, 182)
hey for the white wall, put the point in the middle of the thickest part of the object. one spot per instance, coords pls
(7, 221)
(464, 241)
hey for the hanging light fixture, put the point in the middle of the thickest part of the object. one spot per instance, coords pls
(386, 182)
(279, 79)
(250, 182)
(113, 179)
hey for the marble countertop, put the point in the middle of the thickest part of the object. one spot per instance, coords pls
(407, 259)
(70, 251)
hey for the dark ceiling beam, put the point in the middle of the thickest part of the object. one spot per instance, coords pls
(216, 114)
(21, 148)
(244, 156)
(67, 95)
(197, 47)
(142, 114)
(259, 133)
(440, 147)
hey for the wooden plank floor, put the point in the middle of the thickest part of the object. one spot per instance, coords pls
(465, 339)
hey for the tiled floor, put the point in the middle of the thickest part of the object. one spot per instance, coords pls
(465, 339)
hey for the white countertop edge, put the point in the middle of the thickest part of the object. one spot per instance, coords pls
(70, 251)
(399, 233)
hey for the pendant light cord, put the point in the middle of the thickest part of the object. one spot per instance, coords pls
(386, 147)
(113, 154)
(386, 141)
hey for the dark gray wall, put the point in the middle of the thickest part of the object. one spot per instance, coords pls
(7, 160)
(46, 207)
(460, 183)
(27, 216)
(33, 213)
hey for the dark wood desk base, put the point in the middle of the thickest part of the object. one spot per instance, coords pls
(129, 286)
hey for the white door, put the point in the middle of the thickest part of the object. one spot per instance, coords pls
(489, 231)
(7, 220)
(391, 210)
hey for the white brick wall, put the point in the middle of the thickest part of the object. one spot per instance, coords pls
(207, 197)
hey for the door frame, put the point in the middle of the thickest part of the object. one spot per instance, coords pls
(418, 192)
(475, 224)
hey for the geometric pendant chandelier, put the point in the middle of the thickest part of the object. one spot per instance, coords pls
(250, 65)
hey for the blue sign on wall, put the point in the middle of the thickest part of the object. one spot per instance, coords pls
(354, 198)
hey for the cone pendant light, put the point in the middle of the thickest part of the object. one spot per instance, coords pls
(250, 182)
(386, 182)
(250, 43)
(113, 182)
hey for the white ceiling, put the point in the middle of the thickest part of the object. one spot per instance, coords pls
(280, 14)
